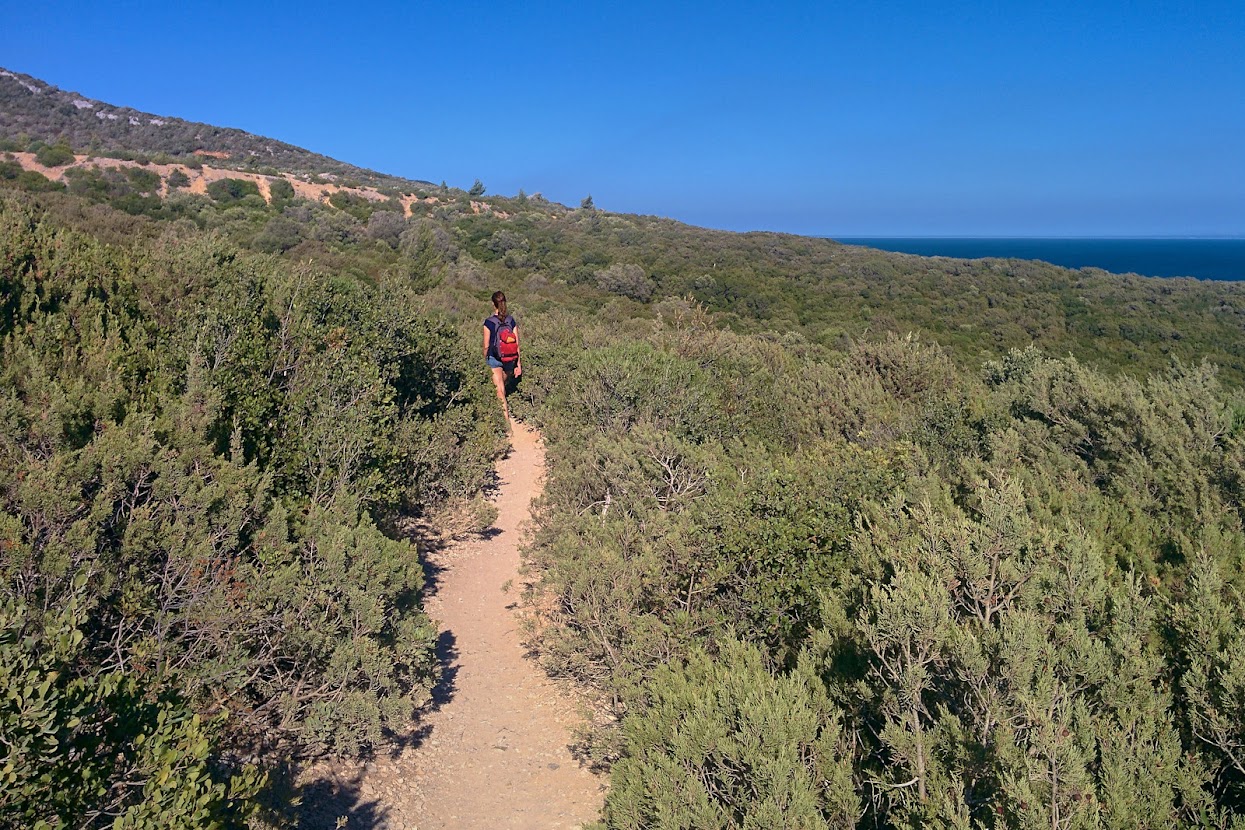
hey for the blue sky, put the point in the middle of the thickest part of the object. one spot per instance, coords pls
(837, 119)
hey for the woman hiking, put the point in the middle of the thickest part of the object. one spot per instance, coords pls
(501, 348)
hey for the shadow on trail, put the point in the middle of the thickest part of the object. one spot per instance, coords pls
(447, 656)
(430, 543)
(334, 796)
(440, 694)
(326, 801)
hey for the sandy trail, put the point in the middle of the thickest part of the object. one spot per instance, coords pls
(494, 752)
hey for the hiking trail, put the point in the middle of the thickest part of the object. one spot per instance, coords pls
(491, 751)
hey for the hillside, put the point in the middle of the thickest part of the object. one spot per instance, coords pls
(32, 108)
(198, 177)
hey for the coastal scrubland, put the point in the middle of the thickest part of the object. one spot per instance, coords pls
(836, 538)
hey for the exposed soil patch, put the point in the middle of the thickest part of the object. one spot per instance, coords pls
(201, 177)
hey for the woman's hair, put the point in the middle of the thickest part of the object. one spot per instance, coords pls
(499, 303)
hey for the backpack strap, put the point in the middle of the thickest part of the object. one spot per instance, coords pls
(492, 334)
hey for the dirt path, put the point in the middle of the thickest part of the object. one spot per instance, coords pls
(494, 753)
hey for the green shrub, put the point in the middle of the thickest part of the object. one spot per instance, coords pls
(177, 180)
(54, 155)
(29, 180)
(145, 181)
(279, 234)
(91, 748)
(280, 190)
(229, 191)
(357, 206)
(722, 743)
(627, 280)
(172, 383)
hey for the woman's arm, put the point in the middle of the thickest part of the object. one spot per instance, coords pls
(486, 339)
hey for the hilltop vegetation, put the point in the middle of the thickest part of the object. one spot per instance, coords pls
(31, 110)
(840, 538)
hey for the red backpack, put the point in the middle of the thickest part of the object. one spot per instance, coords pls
(506, 343)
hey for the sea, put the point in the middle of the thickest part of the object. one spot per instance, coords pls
(1207, 259)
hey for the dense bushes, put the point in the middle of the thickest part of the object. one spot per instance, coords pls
(54, 155)
(206, 454)
(989, 600)
(11, 173)
(734, 746)
(85, 748)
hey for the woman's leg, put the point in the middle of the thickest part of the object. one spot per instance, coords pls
(499, 381)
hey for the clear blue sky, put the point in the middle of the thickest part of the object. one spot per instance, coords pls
(828, 118)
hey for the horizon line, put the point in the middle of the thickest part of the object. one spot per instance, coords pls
(1189, 237)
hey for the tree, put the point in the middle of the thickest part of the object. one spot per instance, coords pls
(587, 204)
(387, 226)
(477, 189)
(279, 235)
(428, 242)
(628, 280)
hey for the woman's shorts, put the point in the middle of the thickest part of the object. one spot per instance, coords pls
(493, 363)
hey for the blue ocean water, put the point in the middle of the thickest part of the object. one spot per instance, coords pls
(1208, 259)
